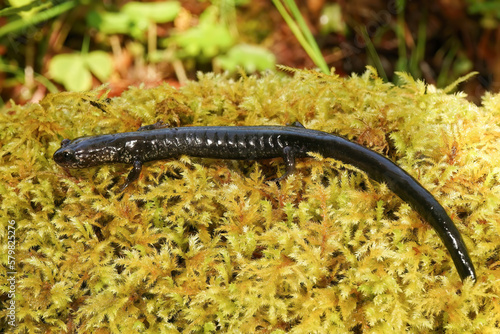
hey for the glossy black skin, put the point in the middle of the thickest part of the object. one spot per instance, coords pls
(263, 142)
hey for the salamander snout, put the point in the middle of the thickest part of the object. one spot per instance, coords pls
(65, 157)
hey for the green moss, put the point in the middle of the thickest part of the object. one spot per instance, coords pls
(200, 245)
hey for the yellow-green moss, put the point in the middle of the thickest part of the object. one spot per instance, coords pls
(202, 246)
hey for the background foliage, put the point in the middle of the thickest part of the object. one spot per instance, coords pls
(45, 45)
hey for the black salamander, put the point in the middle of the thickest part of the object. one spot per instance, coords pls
(262, 142)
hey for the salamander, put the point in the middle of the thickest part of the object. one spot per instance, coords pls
(262, 142)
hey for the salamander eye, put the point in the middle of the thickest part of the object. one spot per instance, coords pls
(67, 155)
(64, 157)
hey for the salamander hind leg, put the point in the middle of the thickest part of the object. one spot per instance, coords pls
(297, 124)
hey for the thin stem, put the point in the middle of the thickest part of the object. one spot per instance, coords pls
(40, 17)
(307, 33)
(309, 44)
(372, 52)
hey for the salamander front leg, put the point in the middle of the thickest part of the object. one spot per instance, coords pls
(289, 159)
(133, 175)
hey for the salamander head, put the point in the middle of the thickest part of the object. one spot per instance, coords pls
(84, 152)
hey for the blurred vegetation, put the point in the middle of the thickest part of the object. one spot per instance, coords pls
(47, 46)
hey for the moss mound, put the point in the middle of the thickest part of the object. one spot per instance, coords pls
(199, 245)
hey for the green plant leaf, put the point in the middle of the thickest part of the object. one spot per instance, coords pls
(159, 12)
(206, 40)
(100, 64)
(250, 57)
(71, 71)
(110, 23)
(134, 17)
(331, 19)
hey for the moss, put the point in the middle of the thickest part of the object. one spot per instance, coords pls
(199, 245)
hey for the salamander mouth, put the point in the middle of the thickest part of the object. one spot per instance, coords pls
(65, 157)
